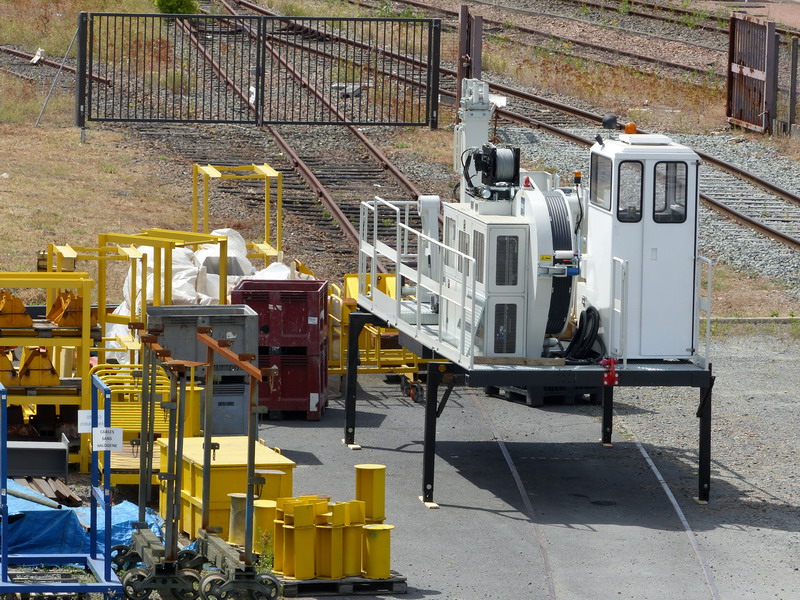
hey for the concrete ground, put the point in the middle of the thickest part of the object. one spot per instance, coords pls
(575, 520)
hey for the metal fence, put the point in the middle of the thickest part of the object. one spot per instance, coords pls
(751, 87)
(762, 76)
(256, 69)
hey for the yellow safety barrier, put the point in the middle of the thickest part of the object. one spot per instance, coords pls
(379, 351)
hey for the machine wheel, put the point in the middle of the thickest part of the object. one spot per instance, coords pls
(405, 385)
(417, 392)
(119, 556)
(210, 587)
(132, 585)
(268, 589)
(191, 589)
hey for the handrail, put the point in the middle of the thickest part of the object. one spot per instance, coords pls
(622, 351)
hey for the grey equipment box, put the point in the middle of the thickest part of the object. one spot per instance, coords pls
(235, 322)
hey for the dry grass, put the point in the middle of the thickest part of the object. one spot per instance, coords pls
(22, 101)
(51, 24)
(62, 191)
(650, 100)
(737, 294)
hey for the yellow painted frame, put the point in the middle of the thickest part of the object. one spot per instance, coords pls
(268, 249)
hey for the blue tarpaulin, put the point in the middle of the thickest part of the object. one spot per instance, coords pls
(37, 529)
(123, 515)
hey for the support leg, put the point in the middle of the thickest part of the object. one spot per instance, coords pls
(704, 448)
(429, 451)
(357, 322)
(608, 415)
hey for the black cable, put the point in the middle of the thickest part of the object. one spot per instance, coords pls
(579, 350)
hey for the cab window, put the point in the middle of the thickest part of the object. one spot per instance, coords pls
(600, 183)
(629, 191)
(669, 199)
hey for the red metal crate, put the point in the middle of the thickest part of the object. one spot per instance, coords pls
(302, 383)
(290, 312)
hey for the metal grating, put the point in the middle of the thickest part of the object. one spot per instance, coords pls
(505, 328)
(507, 260)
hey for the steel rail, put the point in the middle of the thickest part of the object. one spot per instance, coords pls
(577, 42)
(51, 63)
(743, 219)
(615, 8)
(382, 159)
(630, 10)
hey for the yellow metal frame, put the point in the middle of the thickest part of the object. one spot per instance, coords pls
(373, 356)
(65, 257)
(270, 250)
(54, 283)
(164, 241)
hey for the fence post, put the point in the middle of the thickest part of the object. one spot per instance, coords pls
(793, 85)
(434, 57)
(771, 83)
(80, 73)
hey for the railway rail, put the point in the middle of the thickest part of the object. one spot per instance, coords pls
(710, 62)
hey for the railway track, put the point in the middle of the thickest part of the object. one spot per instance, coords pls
(326, 176)
(615, 51)
(733, 192)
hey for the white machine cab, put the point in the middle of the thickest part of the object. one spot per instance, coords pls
(640, 245)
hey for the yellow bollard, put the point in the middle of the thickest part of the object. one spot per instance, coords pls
(330, 544)
(264, 526)
(353, 534)
(371, 488)
(377, 543)
(279, 545)
(298, 541)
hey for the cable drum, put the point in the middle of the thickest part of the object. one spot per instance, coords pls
(561, 297)
(504, 165)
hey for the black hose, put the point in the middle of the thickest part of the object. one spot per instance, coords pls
(579, 350)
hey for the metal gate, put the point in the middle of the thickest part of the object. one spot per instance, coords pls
(257, 69)
(752, 83)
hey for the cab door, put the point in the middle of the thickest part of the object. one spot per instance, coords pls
(668, 259)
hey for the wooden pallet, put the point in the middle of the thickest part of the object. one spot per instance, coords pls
(294, 588)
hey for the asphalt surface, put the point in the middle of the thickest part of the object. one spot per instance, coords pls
(573, 520)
